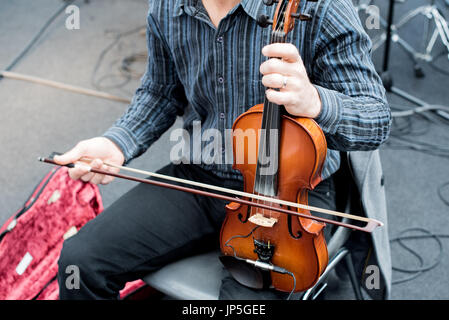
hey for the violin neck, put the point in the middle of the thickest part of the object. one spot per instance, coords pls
(266, 180)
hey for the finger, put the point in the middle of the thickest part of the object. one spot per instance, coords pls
(95, 164)
(78, 172)
(278, 97)
(98, 178)
(277, 81)
(71, 156)
(109, 179)
(87, 177)
(286, 51)
(278, 66)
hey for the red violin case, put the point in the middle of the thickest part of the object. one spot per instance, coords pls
(31, 240)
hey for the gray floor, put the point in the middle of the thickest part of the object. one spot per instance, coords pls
(36, 120)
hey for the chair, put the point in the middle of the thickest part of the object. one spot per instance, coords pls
(199, 277)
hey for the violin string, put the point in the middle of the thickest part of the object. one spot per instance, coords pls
(263, 139)
(278, 38)
(281, 39)
(257, 182)
(269, 156)
(267, 128)
(267, 132)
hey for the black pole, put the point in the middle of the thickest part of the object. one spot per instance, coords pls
(388, 37)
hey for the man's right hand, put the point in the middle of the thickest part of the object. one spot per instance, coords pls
(101, 150)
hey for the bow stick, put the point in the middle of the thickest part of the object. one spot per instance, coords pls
(371, 224)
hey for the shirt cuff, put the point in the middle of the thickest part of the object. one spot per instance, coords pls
(124, 140)
(331, 110)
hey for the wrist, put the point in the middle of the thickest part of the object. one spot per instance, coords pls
(116, 148)
(124, 140)
(331, 110)
(317, 105)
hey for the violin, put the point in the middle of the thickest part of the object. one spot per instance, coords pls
(293, 249)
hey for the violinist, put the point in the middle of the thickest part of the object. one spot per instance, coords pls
(208, 60)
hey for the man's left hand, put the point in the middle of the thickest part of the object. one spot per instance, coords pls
(285, 71)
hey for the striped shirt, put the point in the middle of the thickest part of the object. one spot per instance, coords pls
(210, 75)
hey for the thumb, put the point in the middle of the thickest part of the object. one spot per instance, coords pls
(70, 156)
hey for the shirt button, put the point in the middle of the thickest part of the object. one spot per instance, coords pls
(220, 39)
(222, 115)
(220, 79)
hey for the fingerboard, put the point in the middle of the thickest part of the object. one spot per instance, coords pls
(266, 179)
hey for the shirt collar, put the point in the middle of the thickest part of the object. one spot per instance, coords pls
(179, 6)
(251, 7)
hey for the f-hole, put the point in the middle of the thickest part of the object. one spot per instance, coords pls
(298, 234)
(248, 213)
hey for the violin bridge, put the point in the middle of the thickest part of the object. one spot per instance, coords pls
(260, 220)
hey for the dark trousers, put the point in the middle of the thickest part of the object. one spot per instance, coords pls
(149, 227)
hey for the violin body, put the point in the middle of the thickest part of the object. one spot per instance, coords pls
(294, 243)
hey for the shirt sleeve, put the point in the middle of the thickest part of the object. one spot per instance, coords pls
(156, 103)
(355, 114)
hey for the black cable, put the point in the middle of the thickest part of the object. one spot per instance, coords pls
(127, 61)
(294, 284)
(235, 237)
(277, 269)
(413, 144)
(417, 110)
(416, 272)
(37, 36)
(404, 135)
(440, 193)
(124, 65)
(403, 126)
(404, 132)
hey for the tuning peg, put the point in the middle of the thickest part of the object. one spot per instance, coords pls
(302, 16)
(264, 21)
(270, 2)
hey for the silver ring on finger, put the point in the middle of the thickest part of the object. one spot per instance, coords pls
(284, 82)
